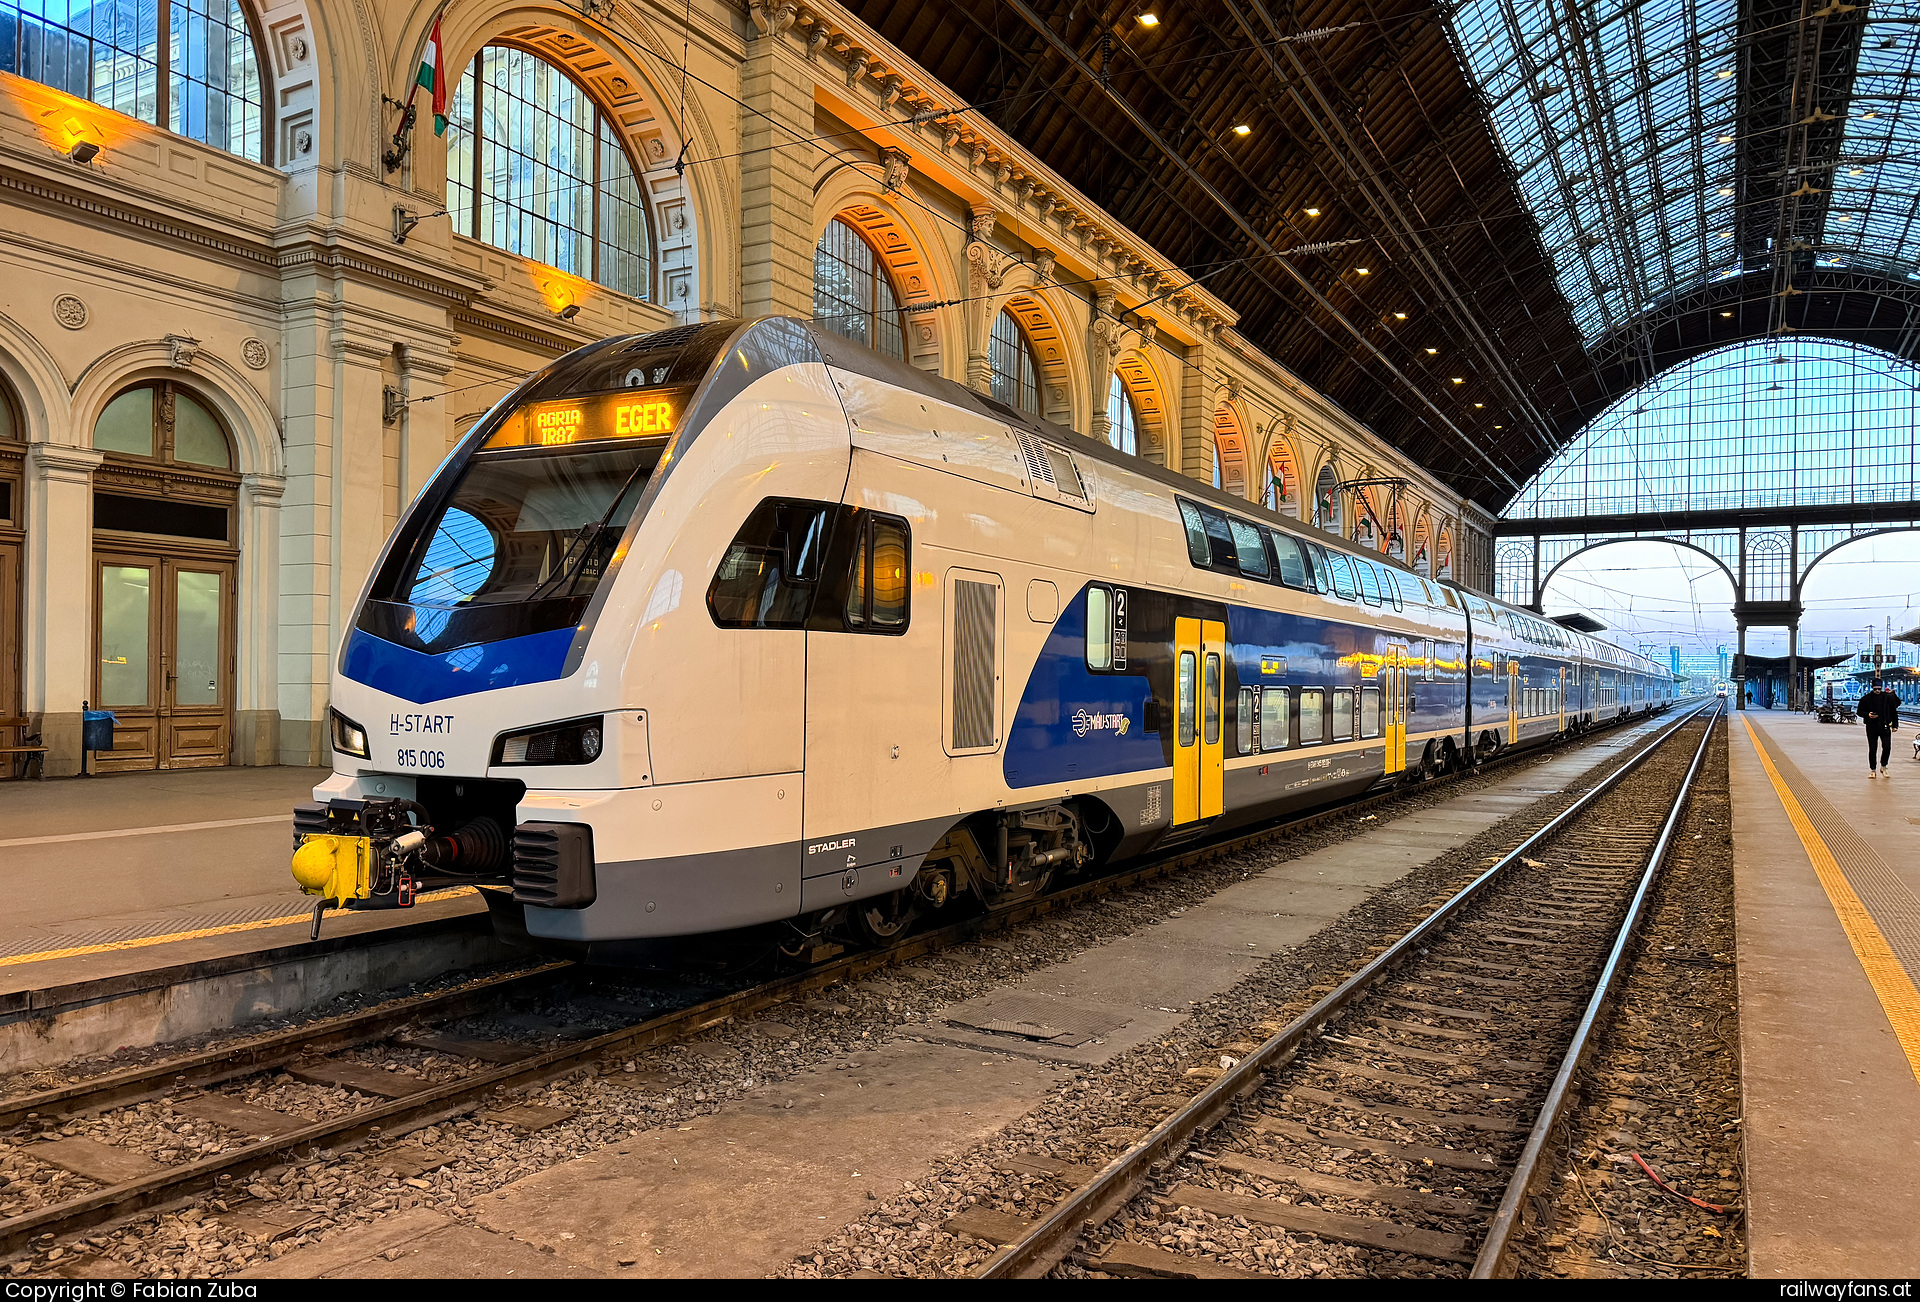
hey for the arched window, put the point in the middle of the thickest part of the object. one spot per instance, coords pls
(1016, 373)
(1123, 418)
(1326, 500)
(549, 178)
(163, 422)
(852, 293)
(189, 65)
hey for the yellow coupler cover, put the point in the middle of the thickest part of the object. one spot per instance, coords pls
(335, 867)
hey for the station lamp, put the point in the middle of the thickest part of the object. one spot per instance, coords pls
(569, 312)
(1311, 212)
(83, 151)
(1399, 316)
(1241, 129)
(1362, 271)
(1459, 379)
(1149, 20)
(1433, 352)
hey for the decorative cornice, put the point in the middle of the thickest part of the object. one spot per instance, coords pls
(1021, 186)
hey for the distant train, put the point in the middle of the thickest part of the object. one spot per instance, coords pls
(742, 623)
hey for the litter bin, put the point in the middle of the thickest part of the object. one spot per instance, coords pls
(96, 733)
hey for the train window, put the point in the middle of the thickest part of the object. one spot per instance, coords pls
(1213, 699)
(1313, 715)
(1369, 582)
(877, 595)
(1290, 566)
(1369, 711)
(1099, 628)
(1322, 567)
(1186, 698)
(1342, 714)
(771, 570)
(1243, 725)
(1273, 718)
(1220, 539)
(1390, 586)
(1199, 551)
(1433, 650)
(1251, 552)
(1342, 572)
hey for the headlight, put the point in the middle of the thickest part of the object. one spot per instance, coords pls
(577, 741)
(349, 738)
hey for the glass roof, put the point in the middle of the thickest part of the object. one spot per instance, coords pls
(1623, 123)
(1621, 129)
(1762, 424)
(1872, 215)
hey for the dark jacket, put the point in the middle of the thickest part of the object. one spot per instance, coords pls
(1879, 709)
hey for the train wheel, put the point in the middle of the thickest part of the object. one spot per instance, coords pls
(884, 918)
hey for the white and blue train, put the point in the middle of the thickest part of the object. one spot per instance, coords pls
(742, 623)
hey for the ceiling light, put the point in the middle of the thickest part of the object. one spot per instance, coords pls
(1433, 352)
(1478, 405)
(1312, 212)
(1362, 271)
(83, 151)
(1726, 189)
(569, 312)
(1724, 73)
(1725, 140)
(1499, 426)
(1149, 20)
(1870, 113)
(1459, 379)
(1399, 316)
(1241, 129)
(1855, 171)
(1726, 314)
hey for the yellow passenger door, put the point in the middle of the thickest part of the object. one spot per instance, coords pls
(1199, 758)
(1213, 759)
(1393, 708)
(1513, 699)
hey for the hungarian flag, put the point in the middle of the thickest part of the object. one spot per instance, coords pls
(434, 79)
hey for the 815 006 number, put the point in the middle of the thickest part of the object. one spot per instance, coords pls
(421, 759)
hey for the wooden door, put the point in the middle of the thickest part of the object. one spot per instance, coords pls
(163, 635)
(9, 630)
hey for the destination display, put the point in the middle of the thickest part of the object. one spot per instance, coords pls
(654, 413)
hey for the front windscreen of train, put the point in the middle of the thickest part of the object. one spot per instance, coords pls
(527, 532)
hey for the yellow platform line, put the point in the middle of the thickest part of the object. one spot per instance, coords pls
(1891, 984)
(142, 942)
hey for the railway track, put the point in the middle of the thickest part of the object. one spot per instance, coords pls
(1404, 1116)
(461, 1075)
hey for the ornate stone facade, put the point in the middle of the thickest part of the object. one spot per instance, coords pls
(321, 306)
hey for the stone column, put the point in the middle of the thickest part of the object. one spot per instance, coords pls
(1192, 453)
(1103, 349)
(256, 681)
(985, 274)
(60, 582)
(776, 181)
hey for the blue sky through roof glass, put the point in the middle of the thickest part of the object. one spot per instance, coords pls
(1760, 424)
(1620, 128)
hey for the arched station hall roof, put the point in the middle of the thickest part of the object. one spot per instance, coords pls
(1562, 199)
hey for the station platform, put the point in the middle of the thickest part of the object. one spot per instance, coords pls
(1827, 899)
(127, 879)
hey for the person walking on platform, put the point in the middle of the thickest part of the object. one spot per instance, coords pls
(1879, 709)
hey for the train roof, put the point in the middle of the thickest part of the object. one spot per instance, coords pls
(688, 354)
